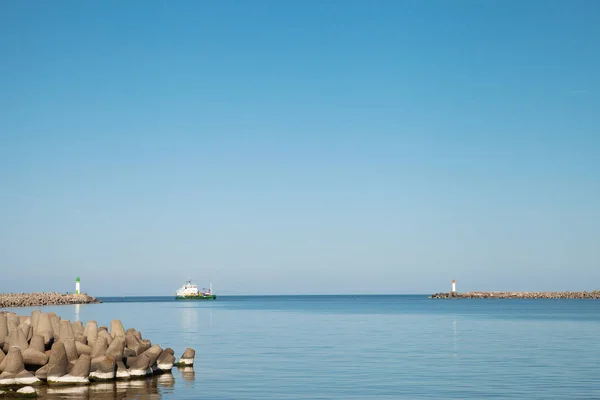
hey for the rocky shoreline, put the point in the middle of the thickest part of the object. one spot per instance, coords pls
(594, 295)
(43, 349)
(44, 299)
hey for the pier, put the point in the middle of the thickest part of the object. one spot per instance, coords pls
(518, 295)
(44, 299)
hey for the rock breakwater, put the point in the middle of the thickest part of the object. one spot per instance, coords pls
(43, 299)
(43, 349)
(518, 295)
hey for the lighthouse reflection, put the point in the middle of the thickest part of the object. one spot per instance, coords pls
(455, 339)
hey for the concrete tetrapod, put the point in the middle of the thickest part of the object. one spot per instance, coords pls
(34, 358)
(116, 328)
(103, 368)
(65, 331)
(3, 329)
(16, 337)
(187, 358)
(58, 363)
(140, 366)
(37, 343)
(77, 328)
(35, 318)
(116, 348)
(83, 348)
(14, 370)
(71, 350)
(166, 360)
(78, 375)
(44, 329)
(55, 322)
(65, 353)
(122, 371)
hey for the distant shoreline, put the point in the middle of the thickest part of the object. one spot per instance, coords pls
(593, 295)
(8, 300)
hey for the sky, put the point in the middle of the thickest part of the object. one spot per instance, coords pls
(299, 147)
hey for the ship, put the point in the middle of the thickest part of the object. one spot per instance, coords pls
(189, 291)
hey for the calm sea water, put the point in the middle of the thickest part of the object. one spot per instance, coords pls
(359, 347)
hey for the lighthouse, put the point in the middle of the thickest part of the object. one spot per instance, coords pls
(453, 286)
(77, 286)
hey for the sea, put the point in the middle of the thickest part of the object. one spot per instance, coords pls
(356, 347)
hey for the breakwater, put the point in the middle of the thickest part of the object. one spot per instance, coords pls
(518, 295)
(43, 349)
(43, 299)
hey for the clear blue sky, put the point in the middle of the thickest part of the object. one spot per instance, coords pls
(299, 146)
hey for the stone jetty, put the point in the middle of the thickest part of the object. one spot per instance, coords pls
(518, 295)
(43, 349)
(43, 299)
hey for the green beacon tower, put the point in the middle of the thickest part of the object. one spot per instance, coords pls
(77, 286)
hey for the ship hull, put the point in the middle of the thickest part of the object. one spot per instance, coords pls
(211, 297)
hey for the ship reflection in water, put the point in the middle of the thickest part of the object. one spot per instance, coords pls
(150, 388)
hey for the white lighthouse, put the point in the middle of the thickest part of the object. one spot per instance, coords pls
(453, 286)
(77, 286)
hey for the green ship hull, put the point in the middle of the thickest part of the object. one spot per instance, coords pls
(210, 297)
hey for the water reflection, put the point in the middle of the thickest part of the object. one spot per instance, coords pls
(189, 318)
(76, 312)
(455, 337)
(187, 373)
(151, 388)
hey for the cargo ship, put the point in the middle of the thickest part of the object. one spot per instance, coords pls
(189, 291)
